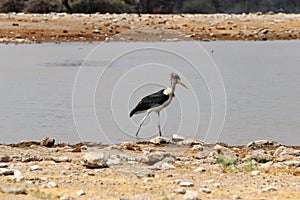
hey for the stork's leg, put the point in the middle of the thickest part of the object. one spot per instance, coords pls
(159, 124)
(142, 122)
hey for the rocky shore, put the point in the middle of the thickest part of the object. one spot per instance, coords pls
(62, 27)
(161, 168)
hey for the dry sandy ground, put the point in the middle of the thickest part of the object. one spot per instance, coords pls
(60, 173)
(61, 27)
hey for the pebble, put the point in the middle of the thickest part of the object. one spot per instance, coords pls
(13, 190)
(236, 196)
(18, 177)
(177, 138)
(255, 172)
(50, 185)
(217, 185)
(166, 166)
(67, 198)
(270, 188)
(179, 191)
(159, 140)
(6, 172)
(80, 193)
(186, 184)
(5, 158)
(199, 169)
(205, 190)
(3, 165)
(191, 195)
(35, 168)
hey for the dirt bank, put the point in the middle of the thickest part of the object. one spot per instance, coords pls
(61, 27)
(155, 169)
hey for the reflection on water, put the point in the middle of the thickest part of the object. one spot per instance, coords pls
(262, 81)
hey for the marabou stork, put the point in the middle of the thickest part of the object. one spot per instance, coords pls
(157, 101)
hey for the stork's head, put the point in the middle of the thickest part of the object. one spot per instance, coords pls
(176, 79)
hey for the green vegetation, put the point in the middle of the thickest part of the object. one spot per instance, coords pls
(150, 6)
(227, 164)
(42, 195)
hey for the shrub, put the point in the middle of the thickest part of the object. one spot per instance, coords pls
(43, 6)
(11, 6)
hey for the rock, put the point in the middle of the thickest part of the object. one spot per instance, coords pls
(236, 196)
(96, 31)
(61, 159)
(190, 142)
(264, 31)
(292, 163)
(283, 153)
(270, 188)
(67, 198)
(205, 190)
(113, 160)
(179, 191)
(13, 190)
(35, 168)
(259, 143)
(177, 138)
(152, 158)
(18, 177)
(95, 160)
(166, 166)
(255, 172)
(80, 193)
(47, 142)
(191, 195)
(217, 185)
(261, 156)
(5, 159)
(3, 165)
(199, 169)
(6, 172)
(197, 147)
(50, 185)
(186, 184)
(159, 140)
(140, 197)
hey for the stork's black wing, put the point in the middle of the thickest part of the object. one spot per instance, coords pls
(150, 101)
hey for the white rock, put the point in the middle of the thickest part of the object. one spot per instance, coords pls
(205, 190)
(191, 195)
(166, 166)
(270, 188)
(177, 138)
(210, 181)
(236, 196)
(50, 185)
(159, 140)
(218, 185)
(18, 177)
(35, 168)
(80, 193)
(255, 172)
(6, 172)
(199, 169)
(186, 184)
(179, 191)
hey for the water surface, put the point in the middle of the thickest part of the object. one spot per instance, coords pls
(262, 82)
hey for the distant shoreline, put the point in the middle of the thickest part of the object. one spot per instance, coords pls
(22, 28)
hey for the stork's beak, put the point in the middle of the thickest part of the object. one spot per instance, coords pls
(183, 84)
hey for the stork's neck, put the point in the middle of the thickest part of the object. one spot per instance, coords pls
(173, 84)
